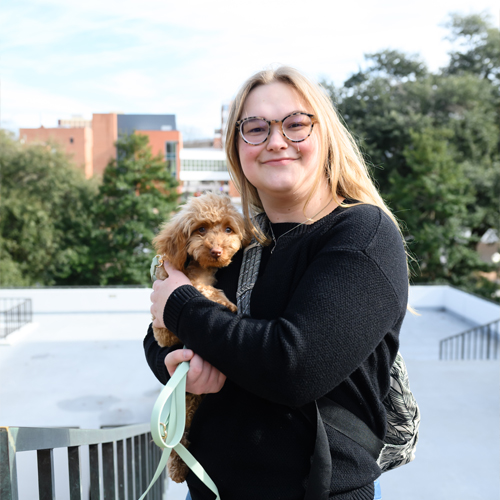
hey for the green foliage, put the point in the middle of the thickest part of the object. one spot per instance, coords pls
(397, 64)
(136, 195)
(58, 228)
(479, 47)
(434, 140)
(44, 215)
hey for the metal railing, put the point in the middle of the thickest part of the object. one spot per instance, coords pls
(481, 342)
(14, 313)
(129, 460)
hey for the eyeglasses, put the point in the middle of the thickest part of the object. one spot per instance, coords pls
(296, 127)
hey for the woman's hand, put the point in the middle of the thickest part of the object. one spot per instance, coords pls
(202, 377)
(162, 289)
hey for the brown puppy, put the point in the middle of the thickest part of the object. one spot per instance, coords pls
(208, 231)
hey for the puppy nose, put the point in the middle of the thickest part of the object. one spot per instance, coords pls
(216, 252)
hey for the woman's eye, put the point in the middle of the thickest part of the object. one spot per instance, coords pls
(296, 125)
(228, 230)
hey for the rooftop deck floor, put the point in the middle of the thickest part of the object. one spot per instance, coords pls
(88, 370)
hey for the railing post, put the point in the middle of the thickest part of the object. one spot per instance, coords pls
(75, 484)
(137, 467)
(120, 464)
(130, 470)
(144, 460)
(108, 471)
(45, 460)
(496, 341)
(8, 473)
(95, 478)
(488, 342)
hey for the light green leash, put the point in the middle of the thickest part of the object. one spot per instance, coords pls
(168, 420)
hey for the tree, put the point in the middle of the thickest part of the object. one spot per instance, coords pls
(45, 206)
(433, 140)
(479, 47)
(136, 195)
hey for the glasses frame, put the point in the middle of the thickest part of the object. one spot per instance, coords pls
(269, 122)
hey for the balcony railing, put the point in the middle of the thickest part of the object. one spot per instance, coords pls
(129, 459)
(481, 342)
(14, 313)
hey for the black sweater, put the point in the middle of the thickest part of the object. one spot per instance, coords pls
(325, 317)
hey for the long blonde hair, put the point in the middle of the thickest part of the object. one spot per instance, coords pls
(342, 163)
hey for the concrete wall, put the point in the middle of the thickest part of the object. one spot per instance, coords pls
(50, 300)
(460, 303)
(68, 300)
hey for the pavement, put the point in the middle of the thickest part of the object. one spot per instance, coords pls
(458, 453)
(87, 369)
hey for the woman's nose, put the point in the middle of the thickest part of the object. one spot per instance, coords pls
(276, 139)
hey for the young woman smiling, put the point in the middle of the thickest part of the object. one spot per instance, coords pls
(325, 311)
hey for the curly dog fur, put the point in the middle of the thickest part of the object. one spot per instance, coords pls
(206, 233)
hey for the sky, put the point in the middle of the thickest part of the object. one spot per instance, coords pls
(60, 58)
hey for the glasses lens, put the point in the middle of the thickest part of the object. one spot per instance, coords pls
(254, 130)
(297, 127)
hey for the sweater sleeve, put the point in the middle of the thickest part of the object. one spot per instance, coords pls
(155, 356)
(341, 309)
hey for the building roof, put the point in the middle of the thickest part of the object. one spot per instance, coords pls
(129, 123)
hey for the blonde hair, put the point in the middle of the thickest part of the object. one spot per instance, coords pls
(341, 161)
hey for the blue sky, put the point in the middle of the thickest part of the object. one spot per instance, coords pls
(60, 58)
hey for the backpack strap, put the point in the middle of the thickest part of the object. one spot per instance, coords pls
(250, 268)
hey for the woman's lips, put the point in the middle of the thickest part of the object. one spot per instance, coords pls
(278, 161)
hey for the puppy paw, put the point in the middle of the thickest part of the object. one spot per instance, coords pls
(233, 308)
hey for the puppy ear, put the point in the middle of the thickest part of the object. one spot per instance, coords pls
(171, 242)
(243, 228)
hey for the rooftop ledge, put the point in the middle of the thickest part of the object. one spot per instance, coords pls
(55, 300)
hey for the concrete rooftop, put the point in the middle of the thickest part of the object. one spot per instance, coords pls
(81, 364)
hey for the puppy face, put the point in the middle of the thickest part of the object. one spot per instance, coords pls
(208, 228)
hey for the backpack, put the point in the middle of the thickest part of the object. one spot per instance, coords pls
(403, 415)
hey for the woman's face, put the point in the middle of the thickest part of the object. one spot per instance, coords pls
(279, 168)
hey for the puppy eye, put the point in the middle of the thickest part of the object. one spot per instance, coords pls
(201, 230)
(228, 230)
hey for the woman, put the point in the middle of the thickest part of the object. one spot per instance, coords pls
(325, 311)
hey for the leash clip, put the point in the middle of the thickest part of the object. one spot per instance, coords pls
(163, 432)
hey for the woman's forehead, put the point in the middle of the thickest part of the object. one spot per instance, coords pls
(273, 100)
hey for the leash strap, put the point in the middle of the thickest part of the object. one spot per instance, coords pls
(168, 421)
(168, 418)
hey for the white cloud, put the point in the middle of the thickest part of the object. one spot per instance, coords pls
(58, 57)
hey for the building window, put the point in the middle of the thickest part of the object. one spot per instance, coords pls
(171, 157)
(204, 165)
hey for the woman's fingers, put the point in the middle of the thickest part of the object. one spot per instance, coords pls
(205, 378)
(202, 378)
(175, 358)
(162, 289)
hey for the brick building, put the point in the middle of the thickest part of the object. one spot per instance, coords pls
(92, 142)
(199, 166)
